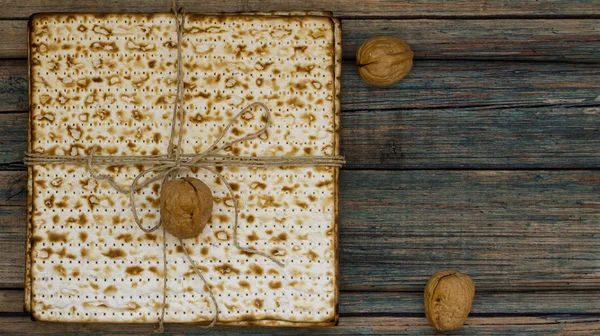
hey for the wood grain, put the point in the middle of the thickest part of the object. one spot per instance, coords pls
(443, 115)
(482, 95)
(431, 84)
(12, 240)
(571, 40)
(387, 325)
(13, 85)
(484, 303)
(11, 301)
(473, 138)
(396, 303)
(341, 8)
(14, 39)
(530, 40)
(509, 230)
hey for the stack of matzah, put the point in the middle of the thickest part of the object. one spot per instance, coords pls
(110, 80)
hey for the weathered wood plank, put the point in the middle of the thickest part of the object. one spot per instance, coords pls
(14, 39)
(510, 138)
(572, 40)
(11, 301)
(509, 230)
(395, 303)
(340, 8)
(12, 240)
(13, 85)
(444, 115)
(13, 188)
(539, 40)
(387, 325)
(484, 303)
(13, 140)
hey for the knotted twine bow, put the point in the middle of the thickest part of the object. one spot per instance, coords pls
(165, 167)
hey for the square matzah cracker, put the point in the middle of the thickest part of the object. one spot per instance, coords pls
(110, 80)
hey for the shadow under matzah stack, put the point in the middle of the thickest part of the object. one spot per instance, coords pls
(110, 80)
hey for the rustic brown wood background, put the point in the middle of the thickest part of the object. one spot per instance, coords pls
(485, 159)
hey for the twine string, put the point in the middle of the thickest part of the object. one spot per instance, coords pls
(166, 166)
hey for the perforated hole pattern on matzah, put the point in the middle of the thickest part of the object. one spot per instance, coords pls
(110, 80)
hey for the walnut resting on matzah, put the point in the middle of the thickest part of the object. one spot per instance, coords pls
(109, 80)
(185, 207)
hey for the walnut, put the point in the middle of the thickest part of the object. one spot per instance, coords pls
(185, 207)
(383, 60)
(448, 299)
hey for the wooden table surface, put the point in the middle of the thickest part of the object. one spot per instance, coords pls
(485, 159)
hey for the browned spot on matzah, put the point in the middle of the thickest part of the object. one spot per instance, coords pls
(301, 204)
(126, 237)
(109, 290)
(258, 303)
(266, 201)
(154, 202)
(273, 271)
(156, 271)
(104, 47)
(222, 235)
(256, 269)
(253, 236)
(226, 269)
(60, 269)
(324, 183)
(115, 253)
(312, 255)
(275, 284)
(222, 218)
(204, 250)
(277, 252)
(62, 252)
(48, 251)
(49, 202)
(244, 284)
(57, 237)
(134, 270)
(289, 189)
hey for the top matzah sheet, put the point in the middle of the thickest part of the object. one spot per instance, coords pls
(109, 80)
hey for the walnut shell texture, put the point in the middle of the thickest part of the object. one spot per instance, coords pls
(185, 207)
(448, 299)
(383, 60)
